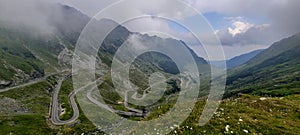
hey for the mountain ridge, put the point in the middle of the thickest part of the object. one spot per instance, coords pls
(237, 60)
(273, 72)
(47, 49)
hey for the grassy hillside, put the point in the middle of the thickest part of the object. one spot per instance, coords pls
(31, 119)
(26, 111)
(26, 56)
(240, 60)
(17, 62)
(274, 72)
(248, 114)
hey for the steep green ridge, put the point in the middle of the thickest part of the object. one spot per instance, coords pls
(120, 34)
(274, 72)
(276, 49)
(17, 62)
(25, 57)
(28, 54)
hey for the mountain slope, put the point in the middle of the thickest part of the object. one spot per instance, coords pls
(242, 59)
(236, 61)
(273, 72)
(50, 50)
(28, 54)
(17, 63)
(144, 65)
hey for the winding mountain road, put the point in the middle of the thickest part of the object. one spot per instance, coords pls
(22, 85)
(55, 106)
(25, 84)
(109, 108)
(55, 109)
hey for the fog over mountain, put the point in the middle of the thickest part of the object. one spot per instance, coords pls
(41, 17)
(241, 26)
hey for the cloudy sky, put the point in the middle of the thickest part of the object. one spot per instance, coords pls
(241, 25)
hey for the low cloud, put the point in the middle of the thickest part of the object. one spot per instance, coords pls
(244, 33)
(35, 16)
(25, 13)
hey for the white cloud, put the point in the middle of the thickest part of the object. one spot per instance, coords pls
(148, 25)
(159, 27)
(30, 13)
(153, 7)
(245, 33)
(239, 27)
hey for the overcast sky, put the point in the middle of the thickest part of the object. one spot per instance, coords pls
(241, 25)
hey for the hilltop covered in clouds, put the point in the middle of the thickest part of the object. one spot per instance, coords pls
(41, 17)
(246, 25)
